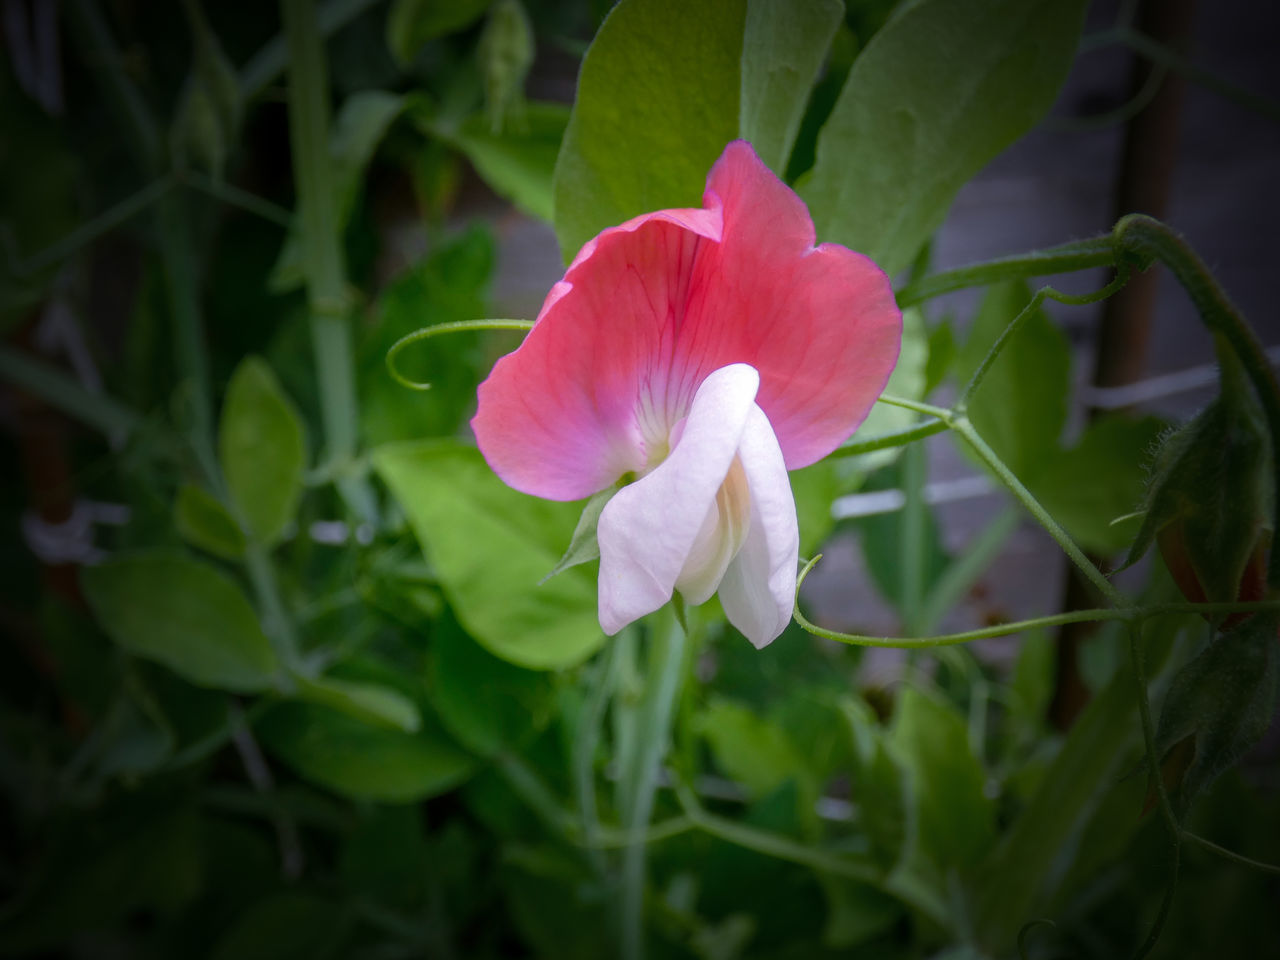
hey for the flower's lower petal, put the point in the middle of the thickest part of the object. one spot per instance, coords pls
(759, 587)
(647, 531)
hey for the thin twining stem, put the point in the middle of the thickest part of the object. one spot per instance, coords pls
(886, 441)
(1045, 292)
(1133, 614)
(458, 326)
(1065, 258)
(997, 466)
(1230, 854)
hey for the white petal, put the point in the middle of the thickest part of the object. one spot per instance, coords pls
(759, 588)
(649, 528)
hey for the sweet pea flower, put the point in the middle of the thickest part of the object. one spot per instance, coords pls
(697, 355)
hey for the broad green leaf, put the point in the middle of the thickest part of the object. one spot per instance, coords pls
(289, 925)
(183, 613)
(487, 703)
(262, 448)
(359, 127)
(883, 538)
(1023, 871)
(815, 489)
(363, 760)
(411, 23)
(783, 47)
(657, 101)
(956, 818)
(519, 163)
(1225, 700)
(1021, 406)
(491, 547)
(369, 702)
(942, 354)
(748, 748)
(907, 380)
(1096, 481)
(203, 522)
(940, 90)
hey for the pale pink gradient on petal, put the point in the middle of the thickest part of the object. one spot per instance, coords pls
(648, 529)
(562, 417)
(759, 587)
(649, 309)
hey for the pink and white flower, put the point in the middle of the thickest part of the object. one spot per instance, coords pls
(700, 353)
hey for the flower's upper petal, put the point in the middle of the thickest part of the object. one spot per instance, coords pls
(820, 324)
(558, 417)
(648, 528)
(759, 587)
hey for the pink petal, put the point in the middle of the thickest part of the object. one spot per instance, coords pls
(819, 323)
(649, 309)
(648, 529)
(759, 587)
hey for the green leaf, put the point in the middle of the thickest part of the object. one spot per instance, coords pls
(518, 164)
(411, 23)
(942, 354)
(490, 547)
(209, 111)
(940, 90)
(1225, 699)
(383, 856)
(183, 613)
(1024, 870)
(369, 702)
(662, 73)
(1096, 481)
(506, 50)
(1021, 406)
(908, 380)
(956, 818)
(362, 760)
(748, 748)
(487, 703)
(203, 522)
(289, 925)
(262, 448)
(783, 47)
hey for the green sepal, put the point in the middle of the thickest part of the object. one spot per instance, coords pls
(1211, 476)
(583, 546)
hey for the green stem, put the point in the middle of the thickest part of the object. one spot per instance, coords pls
(320, 235)
(886, 441)
(233, 196)
(101, 51)
(1230, 854)
(997, 466)
(272, 60)
(1138, 667)
(276, 622)
(82, 236)
(666, 656)
(1066, 258)
(942, 413)
(108, 416)
(585, 744)
(1149, 239)
(1038, 298)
